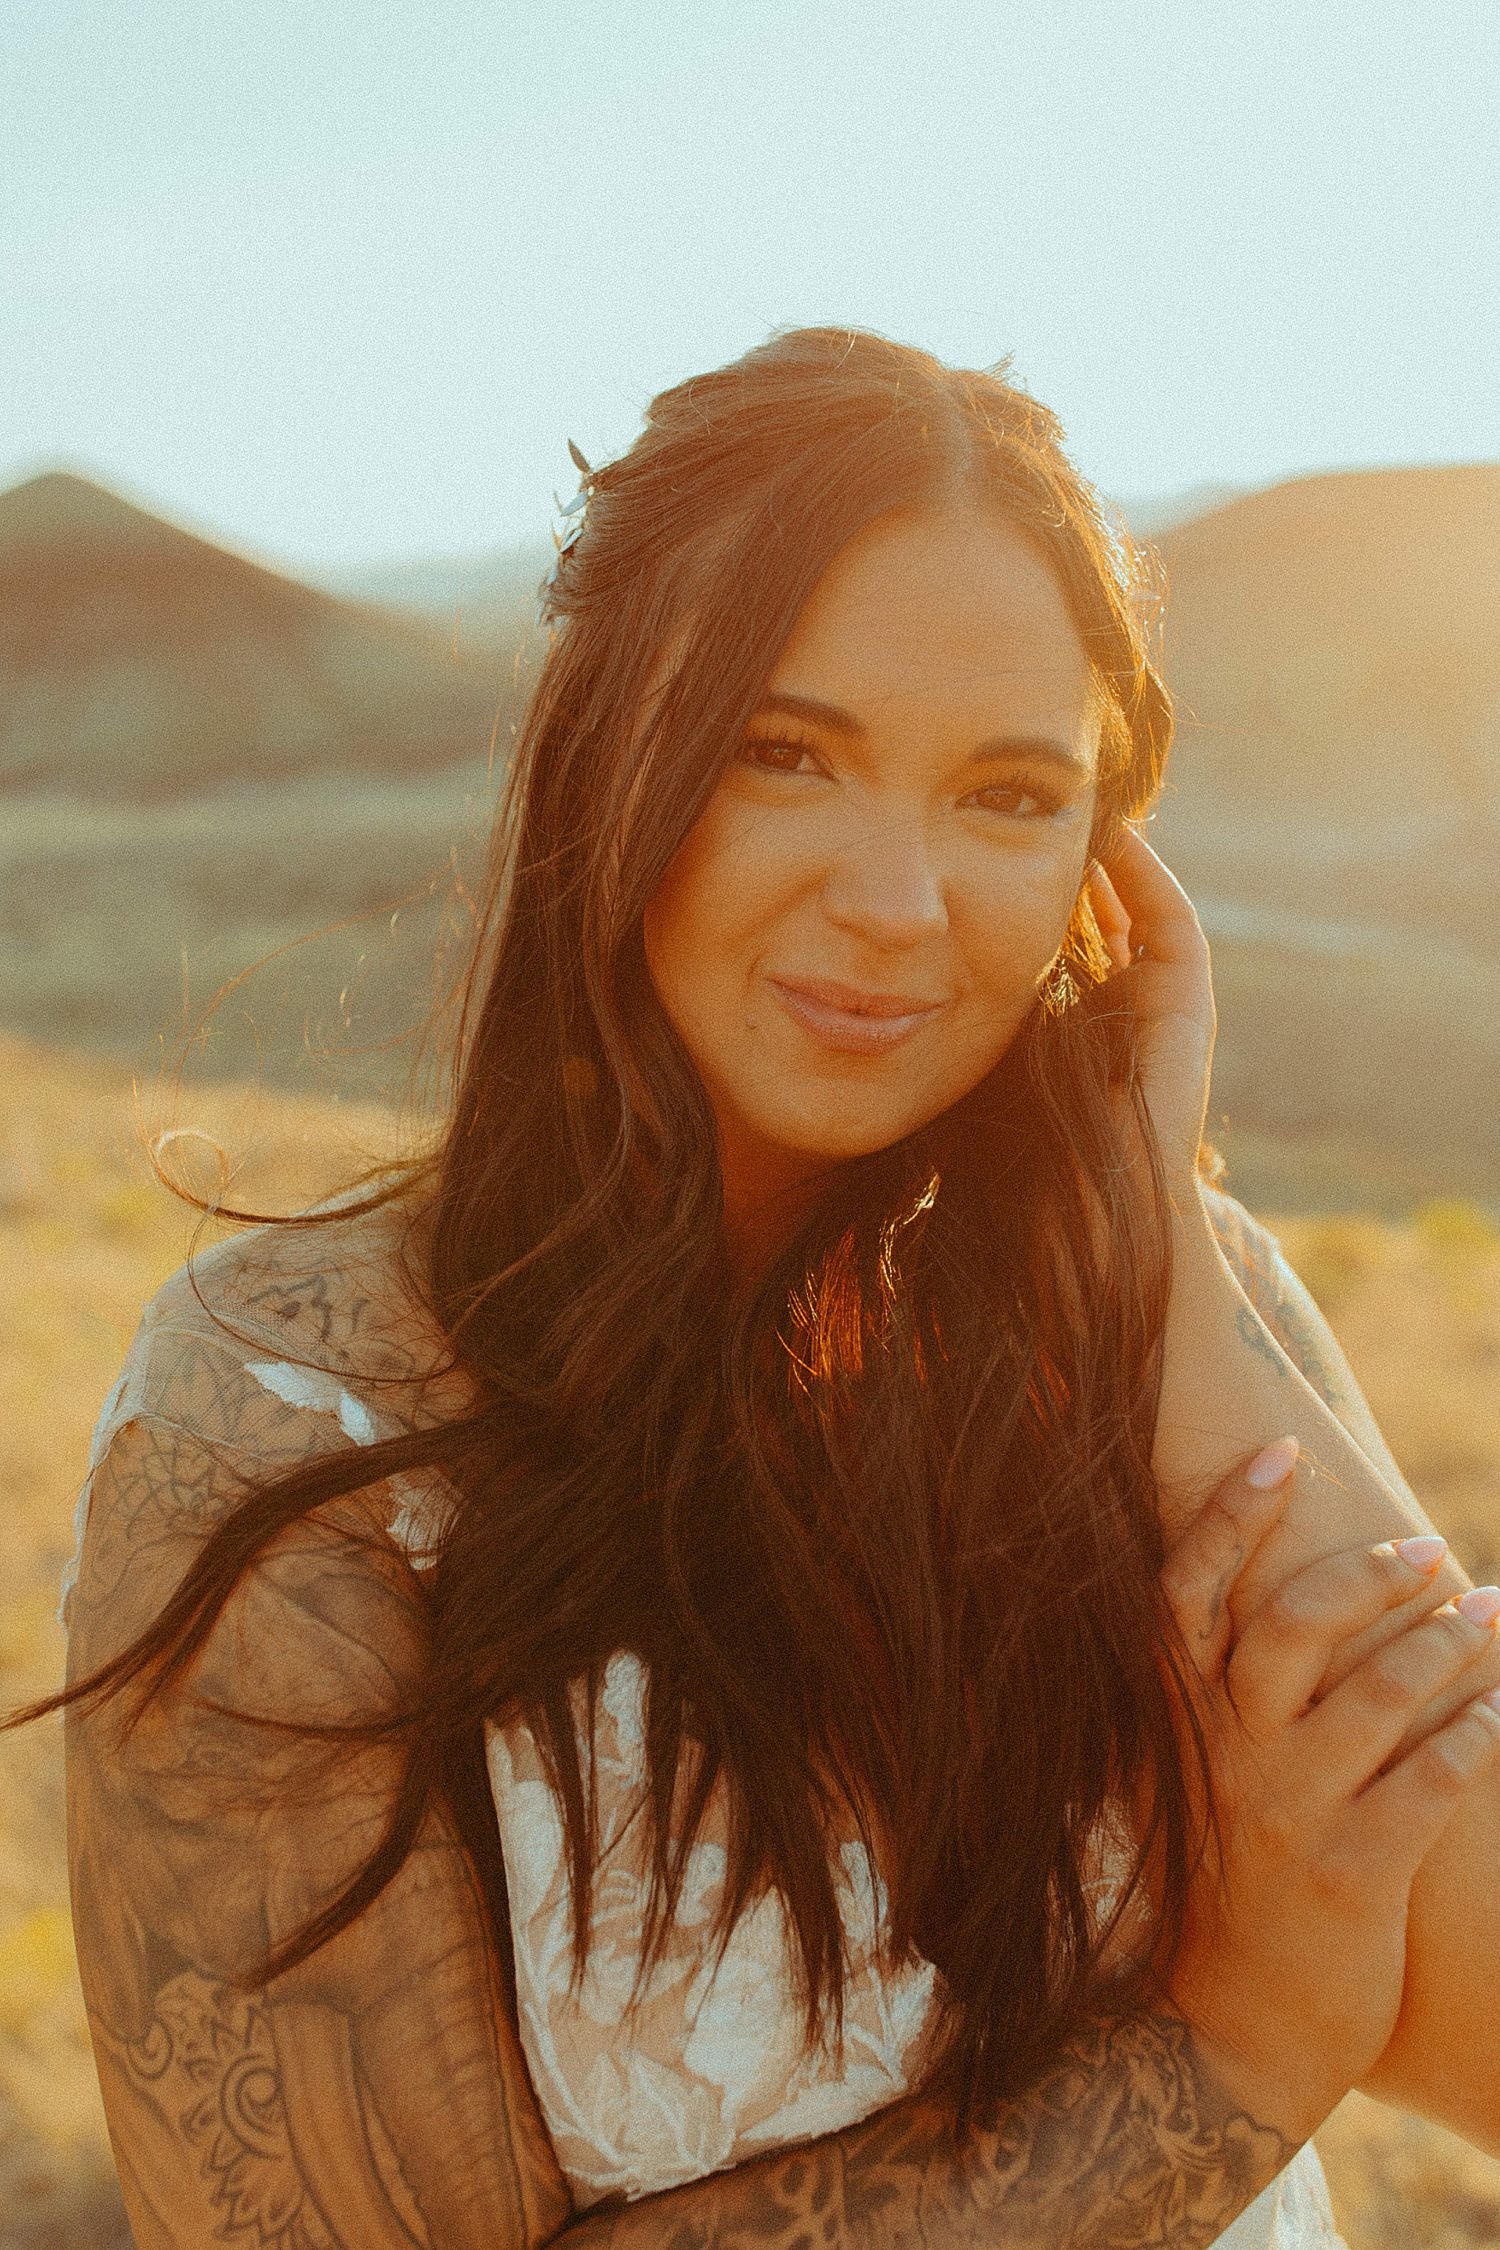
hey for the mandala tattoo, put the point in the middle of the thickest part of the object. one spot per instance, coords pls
(210, 2061)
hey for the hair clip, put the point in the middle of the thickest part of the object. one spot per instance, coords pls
(574, 514)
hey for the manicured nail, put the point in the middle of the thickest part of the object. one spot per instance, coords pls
(1273, 1464)
(1481, 1605)
(1423, 1554)
(1492, 1699)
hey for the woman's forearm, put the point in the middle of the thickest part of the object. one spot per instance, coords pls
(1228, 1387)
(1133, 2136)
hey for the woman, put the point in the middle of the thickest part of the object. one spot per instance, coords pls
(664, 1674)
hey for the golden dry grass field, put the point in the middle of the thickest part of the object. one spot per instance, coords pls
(86, 1235)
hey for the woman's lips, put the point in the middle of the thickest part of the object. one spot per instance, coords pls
(850, 1021)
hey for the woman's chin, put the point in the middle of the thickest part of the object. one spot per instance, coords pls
(804, 1145)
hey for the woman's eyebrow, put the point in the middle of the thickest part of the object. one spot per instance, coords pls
(778, 703)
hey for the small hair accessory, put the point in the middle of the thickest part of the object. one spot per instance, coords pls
(574, 517)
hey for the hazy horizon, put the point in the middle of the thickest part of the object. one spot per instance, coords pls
(1145, 509)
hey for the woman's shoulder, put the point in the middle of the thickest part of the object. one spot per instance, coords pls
(329, 1316)
(267, 1348)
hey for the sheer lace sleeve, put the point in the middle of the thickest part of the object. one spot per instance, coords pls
(377, 2094)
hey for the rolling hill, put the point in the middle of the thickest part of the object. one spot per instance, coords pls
(1333, 804)
(1334, 647)
(140, 663)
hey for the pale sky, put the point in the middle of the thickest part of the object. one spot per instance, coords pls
(335, 280)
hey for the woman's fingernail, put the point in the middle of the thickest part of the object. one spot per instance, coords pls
(1273, 1464)
(1481, 1605)
(1424, 1554)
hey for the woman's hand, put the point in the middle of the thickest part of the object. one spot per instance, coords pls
(1154, 936)
(1294, 1956)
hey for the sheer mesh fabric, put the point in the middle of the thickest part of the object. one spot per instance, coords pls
(376, 2095)
(207, 1836)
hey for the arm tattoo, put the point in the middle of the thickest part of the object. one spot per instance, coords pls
(207, 2062)
(1125, 2141)
(1253, 1331)
(1299, 1339)
(1281, 1302)
(374, 2098)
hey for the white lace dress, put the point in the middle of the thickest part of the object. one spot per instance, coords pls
(708, 2070)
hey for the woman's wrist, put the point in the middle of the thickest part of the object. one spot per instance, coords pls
(1139, 2132)
(1291, 2098)
(1214, 1410)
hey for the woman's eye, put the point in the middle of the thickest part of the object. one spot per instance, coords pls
(1015, 799)
(773, 755)
(1012, 796)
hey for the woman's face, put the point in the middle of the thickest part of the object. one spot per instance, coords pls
(858, 923)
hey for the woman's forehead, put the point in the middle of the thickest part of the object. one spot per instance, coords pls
(957, 624)
(950, 611)
(967, 579)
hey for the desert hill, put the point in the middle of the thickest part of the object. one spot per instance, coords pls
(1334, 648)
(1333, 802)
(139, 661)
(1355, 621)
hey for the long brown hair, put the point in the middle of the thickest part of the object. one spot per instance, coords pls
(925, 1431)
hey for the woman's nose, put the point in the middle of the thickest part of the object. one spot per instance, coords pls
(885, 886)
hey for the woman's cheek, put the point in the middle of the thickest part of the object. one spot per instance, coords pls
(716, 912)
(1017, 925)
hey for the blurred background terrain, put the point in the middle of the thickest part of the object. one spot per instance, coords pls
(203, 760)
